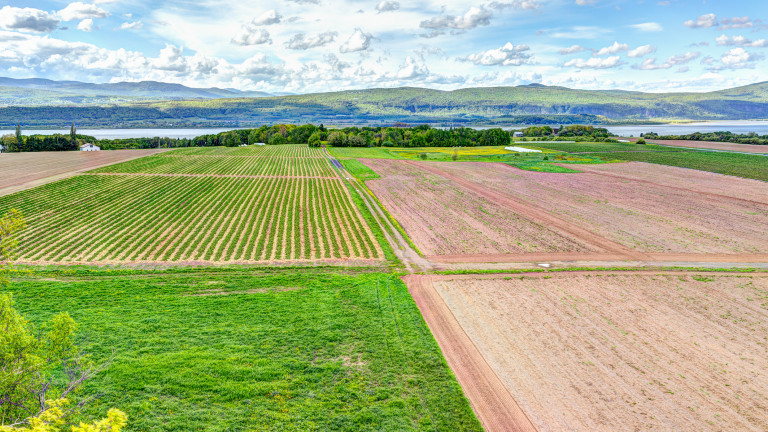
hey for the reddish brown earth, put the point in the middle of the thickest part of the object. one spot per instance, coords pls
(444, 218)
(673, 212)
(608, 351)
(492, 403)
(19, 171)
(714, 145)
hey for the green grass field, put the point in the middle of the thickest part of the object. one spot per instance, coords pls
(592, 147)
(147, 215)
(361, 152)
(357, 169)
(254, 349)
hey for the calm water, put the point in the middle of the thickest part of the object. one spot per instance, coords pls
(740, 127)
(126, 133)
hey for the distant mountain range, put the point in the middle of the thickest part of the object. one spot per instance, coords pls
(37, 102)
(76, 92)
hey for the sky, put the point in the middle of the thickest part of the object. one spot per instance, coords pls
(304, 46)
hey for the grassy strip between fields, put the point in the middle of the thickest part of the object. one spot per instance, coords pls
(358, 169)
(376, 229)
(272, 350)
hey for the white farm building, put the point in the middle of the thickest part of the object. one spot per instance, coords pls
(89, 147)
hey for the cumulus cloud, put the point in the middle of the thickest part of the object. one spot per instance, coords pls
(741, 41)
(641, 51)
(738, 58)
(267, 18)
(613, 49)
(677, 60)
(85, 25)
(735, 23)
(135, 25)
(27, 20)
(250, 35)
(302, 41)
(571, 50)
(474, 17)
(357, 41)
(595, 63)
(508, 55)
(704, 21)
(80, 11)
(648, 27)
(411, 70)
(585, 2)
(387, 6)
(516, 4)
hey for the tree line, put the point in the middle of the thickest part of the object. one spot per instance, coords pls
(722, 136)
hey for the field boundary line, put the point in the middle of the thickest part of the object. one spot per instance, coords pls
(257, 176)
(491, 401)
(575, 256)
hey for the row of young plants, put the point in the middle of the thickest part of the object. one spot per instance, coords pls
(266, 165)
(146, 218)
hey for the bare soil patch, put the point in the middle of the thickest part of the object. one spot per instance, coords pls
(674, 213)
(630, 351)
(19, 171)
(714, 145)
(444, 218)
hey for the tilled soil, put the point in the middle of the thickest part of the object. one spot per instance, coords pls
(622, 351)
(20, 171)
(444, 218)
(669, 213)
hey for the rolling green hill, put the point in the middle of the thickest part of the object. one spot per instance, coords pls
(528, 104)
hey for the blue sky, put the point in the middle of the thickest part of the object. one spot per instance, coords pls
(321, 45)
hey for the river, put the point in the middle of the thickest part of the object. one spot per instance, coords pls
(738, 127)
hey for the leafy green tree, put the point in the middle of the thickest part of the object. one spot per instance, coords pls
(18, 134)
(73, 133)
(39, 368)
(315, 139)
(277, 139)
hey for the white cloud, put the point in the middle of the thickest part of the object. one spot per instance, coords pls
(357, 41)
(411, 70)
(648, 27)
(595, 63)
(135, 25)
(741, 41)
(704, 21)
(585, 2)
(80, 11)
(250, 35)
(85, 25)
(739, 58)
(677, 60)
(267, 18)
(387, 6)
(735, 23)
(27, 20)
(613, 49)
(516, 4)
(508, 55)
(571, 50)
(641, 51)
(474, 17)
(302, 42)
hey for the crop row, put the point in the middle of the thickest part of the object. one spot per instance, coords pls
(284, 150)
(170, 219)
(224, 165)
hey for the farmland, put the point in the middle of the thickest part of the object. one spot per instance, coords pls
(443, 219)
(714, 145)
(246, 206)
(645, 350)
(630, 216)
(19, 171)
(734, 164)
(254, 349)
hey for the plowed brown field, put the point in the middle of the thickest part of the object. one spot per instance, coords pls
(444, 219)
(672, 213)
(19, 171)
(623, 351)
(726, 146)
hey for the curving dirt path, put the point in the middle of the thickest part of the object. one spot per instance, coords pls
(492, 403)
